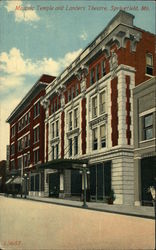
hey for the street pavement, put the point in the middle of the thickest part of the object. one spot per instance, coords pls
(27, 224)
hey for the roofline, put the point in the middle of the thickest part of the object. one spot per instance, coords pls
(38, 82)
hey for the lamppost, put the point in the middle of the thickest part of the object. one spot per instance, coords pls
(25, 181)
(153, 193)
(84, 171)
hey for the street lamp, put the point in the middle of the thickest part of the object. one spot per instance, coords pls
(25, 180)
(84, 177)
(152, 189)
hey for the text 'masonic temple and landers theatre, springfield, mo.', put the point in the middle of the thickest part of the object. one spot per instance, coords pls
(99, 114)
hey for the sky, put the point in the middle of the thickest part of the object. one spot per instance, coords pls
(45, 36)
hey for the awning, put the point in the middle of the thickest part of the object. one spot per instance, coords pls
(9, 181)
(17, 180)
(62, 164)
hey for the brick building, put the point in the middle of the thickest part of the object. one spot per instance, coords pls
(89, 111)
(27, 133)
(86, 114)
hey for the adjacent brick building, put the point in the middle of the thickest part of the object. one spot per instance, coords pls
(27, 131)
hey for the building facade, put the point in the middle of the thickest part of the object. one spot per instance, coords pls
(144, 140)
(86, 113)
(89, 111)
(27, 135)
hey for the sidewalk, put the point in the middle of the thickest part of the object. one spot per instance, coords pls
(142, 211)
(139, 211)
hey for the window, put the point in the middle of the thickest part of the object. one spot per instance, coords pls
(103, 136)
(75, 118)
(36, 134)
(97, 73)
(103, 70)
(53, 131)
(36, 109)
(73, 93)
(12, 164)
(36, 156)
(19, 145)
(28, 117)
(91, 76)
(70, 147)
(75, 145)
(57, 151)
(25, 162)
(28, 158)
(95, 141)
(70, 121)
(77, 90)
(55, 106)
(53, 152)
(94, 107)
(12, 149)
(102, 102)
(13, 131)
(57, 128)
(69, 95)
(19, 162)
(149, 64)
(52, 108)
(148, 127)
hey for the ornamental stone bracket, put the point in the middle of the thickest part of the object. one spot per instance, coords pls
(81, 74)
(74, 131)
(98, 120)
(113, 62)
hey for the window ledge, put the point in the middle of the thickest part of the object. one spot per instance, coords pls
(147, 140)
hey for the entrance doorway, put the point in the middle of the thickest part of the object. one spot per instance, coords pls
(148, 175)
(54, 184)
(76, 183)
(100, 181)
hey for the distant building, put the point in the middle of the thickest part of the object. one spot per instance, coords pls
(144, 140)
(27, 133)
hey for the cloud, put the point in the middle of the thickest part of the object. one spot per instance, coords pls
(13, 81)
(23, 13)
(14, 66)
(84, 36)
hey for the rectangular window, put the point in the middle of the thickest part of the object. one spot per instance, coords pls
(57, 128)
(95, 140)
(53, 131)
(103, 136)
(75, 118)
(97, 72)
(69, 95)
(149, 64)
(73, 93)
(102, 102)
(55, 106)
(36, 134)
(12, 164)
(19, 145)
(94, 107)
(28, 158)
(103, 70)
(36, 156)
(19, 162)
(36, 109)
(77, 90)
(57, 151)
(70, 121)
(53, 152)
(75, 145)
(13, 131)
(28, 117)
(70, 147)
(148, 127)
(91, 76)
(12, 149)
